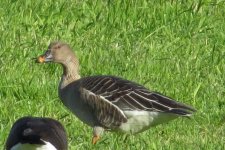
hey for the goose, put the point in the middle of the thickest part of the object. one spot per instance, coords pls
(35, 133)
(107, 102)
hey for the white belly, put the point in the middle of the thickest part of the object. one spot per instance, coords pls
(139, 121)
(47, 146)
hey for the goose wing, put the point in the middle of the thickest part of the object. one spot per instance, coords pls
(109, 96)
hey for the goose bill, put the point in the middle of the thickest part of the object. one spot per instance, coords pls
(44, 58)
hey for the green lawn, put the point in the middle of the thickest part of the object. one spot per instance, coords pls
(176, 48)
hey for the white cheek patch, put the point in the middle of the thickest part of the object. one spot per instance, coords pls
(47, 146)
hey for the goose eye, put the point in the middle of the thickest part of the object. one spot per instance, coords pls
(58, 47)
(48, 52)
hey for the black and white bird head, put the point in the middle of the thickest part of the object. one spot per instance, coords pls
(33, 133)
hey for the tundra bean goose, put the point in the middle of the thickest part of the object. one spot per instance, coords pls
(33, 133)
(109, 102)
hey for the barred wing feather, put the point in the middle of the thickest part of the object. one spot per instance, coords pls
(118, 95)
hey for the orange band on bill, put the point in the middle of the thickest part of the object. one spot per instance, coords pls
(41, 59)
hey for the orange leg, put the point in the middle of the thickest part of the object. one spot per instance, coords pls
(95, 139)
(97, 132)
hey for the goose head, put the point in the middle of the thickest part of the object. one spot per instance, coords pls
(57, 52)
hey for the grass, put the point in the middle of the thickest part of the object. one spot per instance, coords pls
(174, 47)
